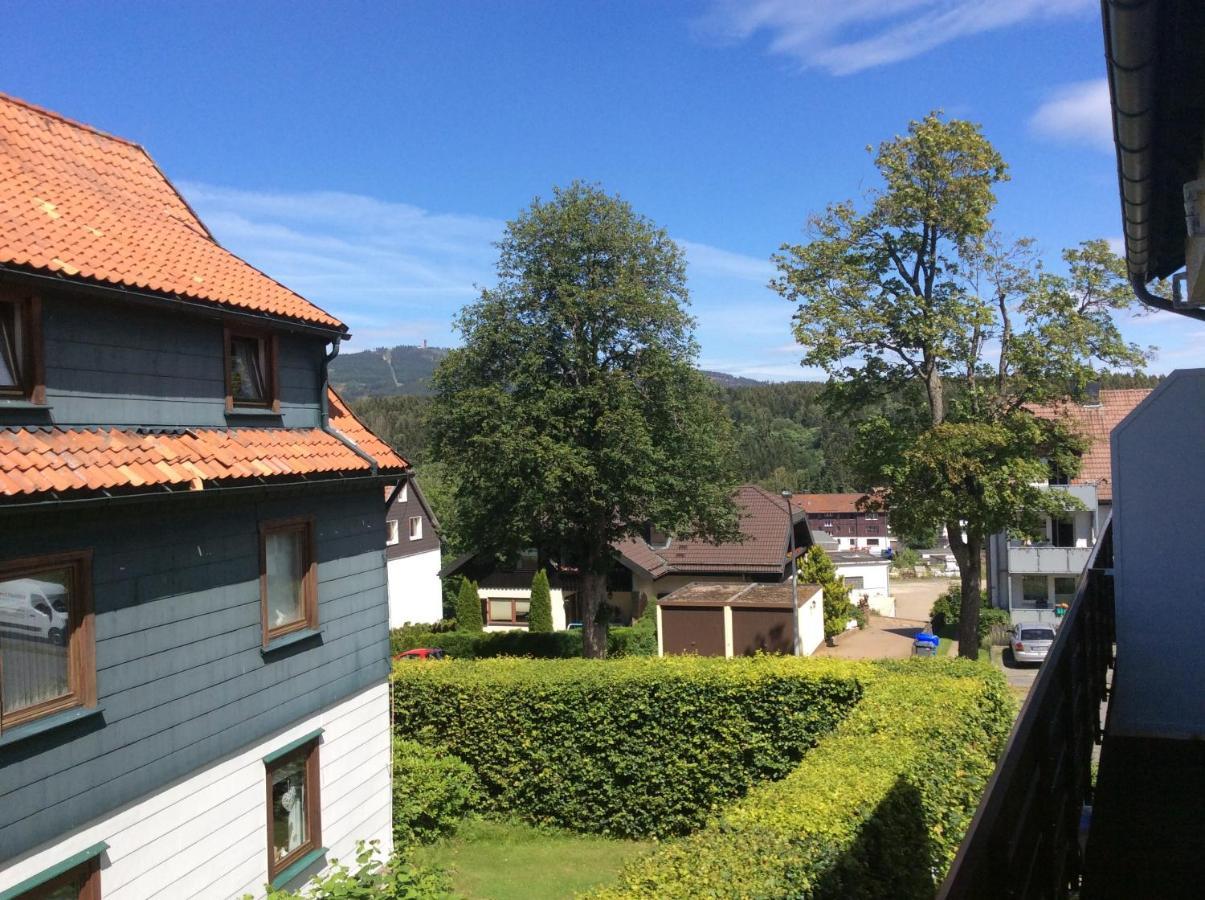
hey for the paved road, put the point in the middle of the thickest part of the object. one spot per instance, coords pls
(883, 638)
(914, 596)
(1020, 675)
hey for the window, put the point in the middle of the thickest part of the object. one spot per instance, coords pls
(47, 655)
(1062, 532)
(872, 542)
(391, 532)
(20, 349)
(251, 371)
(405, 494)
(872, 529)
(1057, 476)
(855, 582)
(871, 517)
(507, 612)
(294, 811)
(81, 882)
(1033, 592)
(288, 580)
(1064, 590)
(416, 527)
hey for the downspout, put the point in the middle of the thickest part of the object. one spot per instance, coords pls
(325, 407)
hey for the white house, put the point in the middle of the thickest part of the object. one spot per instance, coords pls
(868, 577)
(412, 551)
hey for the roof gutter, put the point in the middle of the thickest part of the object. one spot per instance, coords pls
(326, 410)
(1131, 54)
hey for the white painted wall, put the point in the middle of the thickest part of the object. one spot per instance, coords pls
(205, 836)
(876, 585)
(1160, 573)
(415, 589)
(556, 595)
(811, 623)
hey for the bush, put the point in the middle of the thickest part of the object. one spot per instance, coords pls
(627, 747)
(876, 810)
(817, 568)
(468, 608)
(906, 558)
(420, 634)
(432, 792)
(371, 880)
(539, 617)
(638, 640)
(947, 611)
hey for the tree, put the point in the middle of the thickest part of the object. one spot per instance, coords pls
(817, 568)
(468, 607)
(573, 414)
(540, 616)
(915, 297)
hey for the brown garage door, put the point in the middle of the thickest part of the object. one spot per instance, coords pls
(693, 630)
(768, 630)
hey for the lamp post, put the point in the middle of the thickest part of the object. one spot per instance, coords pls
(786, 496)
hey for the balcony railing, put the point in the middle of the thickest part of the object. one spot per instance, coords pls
(1047, 560)
(1024, 839)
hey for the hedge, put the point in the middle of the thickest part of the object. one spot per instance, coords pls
(636, 640)
(629, 747)
(876, 810)
(432, 792)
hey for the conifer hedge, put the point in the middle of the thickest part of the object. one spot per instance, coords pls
(631, 747)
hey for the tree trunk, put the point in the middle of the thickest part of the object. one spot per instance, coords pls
(592, 594)
(936, 393)
(969, 555)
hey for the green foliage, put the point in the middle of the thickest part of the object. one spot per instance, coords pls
(573, 413)
(817, 568)
(638, 640)
(906, 558)
(876, 810)
(947, 612)
(371, 879)
(383, 371)
(540, 617)
(432, 792)
(468, 608)
(412, 635)
(631, 748)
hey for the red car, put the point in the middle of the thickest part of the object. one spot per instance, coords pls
(421, 653)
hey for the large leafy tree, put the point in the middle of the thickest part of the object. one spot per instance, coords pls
(573, 414)
(912, 295)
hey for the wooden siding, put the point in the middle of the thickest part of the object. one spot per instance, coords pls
(180, 673)
(402, 512)
(111, 364)
(204, 836)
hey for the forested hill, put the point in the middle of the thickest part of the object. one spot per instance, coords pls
(393, 371)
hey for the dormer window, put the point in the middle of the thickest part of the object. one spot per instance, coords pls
(251, 371)
(20, 361)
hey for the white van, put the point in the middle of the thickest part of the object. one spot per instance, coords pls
(35, 608)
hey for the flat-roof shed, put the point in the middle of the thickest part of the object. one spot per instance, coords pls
(739, 619)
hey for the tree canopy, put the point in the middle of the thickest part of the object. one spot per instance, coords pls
(913, 295)
(573, 414)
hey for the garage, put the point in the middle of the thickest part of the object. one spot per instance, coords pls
(739, 619)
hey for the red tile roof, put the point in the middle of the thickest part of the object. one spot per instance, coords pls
(37, 460)
(819, 504)
(95, 208)
(1096, 423)
(764, 550)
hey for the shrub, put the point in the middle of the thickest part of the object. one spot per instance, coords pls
(906, 558)
(947, 611)
(371, 880)
(638, 640)
(468, 607)
(817, 568)
(419, 634)
(539, 617)
(432, 792)
(627, 747)
(876, 810)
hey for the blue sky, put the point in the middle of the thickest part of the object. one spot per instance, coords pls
(368, 154)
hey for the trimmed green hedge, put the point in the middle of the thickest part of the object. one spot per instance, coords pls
(628, 747)
(637, 640)
(432, 792)
(876, 810)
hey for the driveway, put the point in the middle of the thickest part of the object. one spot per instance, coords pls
(882, 638)
(914, 596)
(1020, 675)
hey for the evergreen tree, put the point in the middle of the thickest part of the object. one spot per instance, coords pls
(540, 617)
(468, 607)
(817, 568)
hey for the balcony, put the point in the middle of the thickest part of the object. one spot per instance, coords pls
(1047, 560)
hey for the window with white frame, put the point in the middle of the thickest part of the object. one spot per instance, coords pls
(391, 532)
(416, 528)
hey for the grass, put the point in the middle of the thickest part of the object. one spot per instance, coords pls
(948, 636)
(505, 860)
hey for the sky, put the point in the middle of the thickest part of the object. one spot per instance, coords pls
(368, 155)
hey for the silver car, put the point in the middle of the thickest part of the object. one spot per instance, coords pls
(1031, 641)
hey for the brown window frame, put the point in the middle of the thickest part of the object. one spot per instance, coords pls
(514, 619)
(313, 806)
(309, 579)
(269, 349)
(89, 886)
(81, 645)
(33, 361)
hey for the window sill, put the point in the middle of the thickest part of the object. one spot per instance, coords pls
(47, 723)
(284, 876)
(288, 640)
(252, 412)
(16, 403)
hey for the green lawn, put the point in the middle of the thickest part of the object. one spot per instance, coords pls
(512, 861)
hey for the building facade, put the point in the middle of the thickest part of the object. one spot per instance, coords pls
(194, 645)
(413, 551)
(841, 517)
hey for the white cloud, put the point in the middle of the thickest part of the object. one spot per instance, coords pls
(1077, 113)
(1117, 245)
(704, 259)
(847, 36)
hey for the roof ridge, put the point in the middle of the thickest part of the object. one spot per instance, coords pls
(67, 120)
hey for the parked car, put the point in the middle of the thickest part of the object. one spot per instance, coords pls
(1031, 641)
(422, 653)
(34, 608)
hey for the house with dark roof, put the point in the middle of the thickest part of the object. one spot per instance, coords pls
(647, 568)
(1036, 580)
(194, 648)
(414, 554)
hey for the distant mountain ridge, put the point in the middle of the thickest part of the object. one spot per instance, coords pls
(406, 371)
